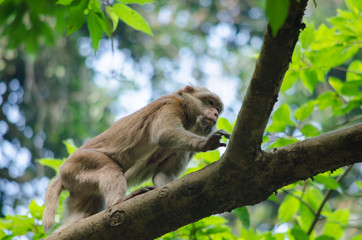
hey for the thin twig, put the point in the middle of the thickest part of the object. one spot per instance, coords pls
(346, 70)
(301, 200)
(326, 196)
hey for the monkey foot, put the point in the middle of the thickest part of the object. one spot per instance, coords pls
(139, 192)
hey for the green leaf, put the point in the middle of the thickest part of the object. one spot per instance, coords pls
(64, 2)
(336, 84)
(213, 227)
(2, 233)
(328, 182)
(31, 42)
(48, 34)
(313, 197)
(249, 234)
(223, 123)
(95, 29)
(75, 21)
(350, 88)
(70, 145)
(94, 6)
(281, 118)
(135, 1)
(354, 5)
(243, 215)
(277, 12)
(208, 157)
(297, 57)
(309, 79)
(292, 186)
(307, 37)
(273, 198)
(289, 79)
(265, 139)
(281, 142)
(18, 224)
(328, 99)
(309, 130)
(324, 237)
(358, 237)
(306, 217)
(282, 114)
(336, 223)
(107, 25)
(60, 24)
(335, 173)
(113, 17)
(276, 127)
(35, 210)
(52, 163)
(288, 208)
(354, 72)
(358, 184)
(305, 110)
(132, 18)
(336, 54)
(299, 234)
(76, 17)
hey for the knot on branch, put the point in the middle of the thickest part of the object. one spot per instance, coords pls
(163, 192)
(117, 218)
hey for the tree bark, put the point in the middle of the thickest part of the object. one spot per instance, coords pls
(245, 175)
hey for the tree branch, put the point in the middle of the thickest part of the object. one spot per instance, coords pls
(275, 56)
(202, 193)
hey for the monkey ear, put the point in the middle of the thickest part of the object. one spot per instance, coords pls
(189, 89)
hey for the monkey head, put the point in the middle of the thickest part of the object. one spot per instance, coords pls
(205, 109)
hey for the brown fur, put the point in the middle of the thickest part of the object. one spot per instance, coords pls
(157, 141)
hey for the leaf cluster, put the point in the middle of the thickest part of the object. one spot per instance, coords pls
(103, 21)
(327, 73)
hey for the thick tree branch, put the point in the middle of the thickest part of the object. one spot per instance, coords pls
(210, 191)
(275, 56)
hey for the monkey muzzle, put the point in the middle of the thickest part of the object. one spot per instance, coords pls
(207, 124)
(209, 121)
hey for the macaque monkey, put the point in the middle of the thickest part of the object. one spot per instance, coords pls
(157, 141)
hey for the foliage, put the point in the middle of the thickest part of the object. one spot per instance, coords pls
(323, 64)
(30, 225)
(69, 16)
(213, 227)
(18, 225)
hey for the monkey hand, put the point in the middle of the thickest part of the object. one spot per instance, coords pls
(213, 140)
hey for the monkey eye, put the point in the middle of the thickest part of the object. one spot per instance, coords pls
(211, 102)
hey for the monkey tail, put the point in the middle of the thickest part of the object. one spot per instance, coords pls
(51, 203)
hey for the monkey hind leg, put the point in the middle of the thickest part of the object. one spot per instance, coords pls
(82, 206)
(112, 184)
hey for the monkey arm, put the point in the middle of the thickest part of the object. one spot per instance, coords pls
(169, 132)
(174, 136)
(178, 138)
